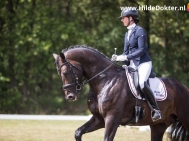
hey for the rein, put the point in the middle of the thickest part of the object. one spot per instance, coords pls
(96, 75)
(76, 83)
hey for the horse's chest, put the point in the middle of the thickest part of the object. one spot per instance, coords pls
(99, 106)
(99, 103)
(104, 104)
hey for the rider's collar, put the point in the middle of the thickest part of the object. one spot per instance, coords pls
(130, 27)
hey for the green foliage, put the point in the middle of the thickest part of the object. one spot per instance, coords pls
(31, 30)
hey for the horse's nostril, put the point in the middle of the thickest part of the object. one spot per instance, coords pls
(70, 97)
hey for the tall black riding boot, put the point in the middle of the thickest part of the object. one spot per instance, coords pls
(148, 92)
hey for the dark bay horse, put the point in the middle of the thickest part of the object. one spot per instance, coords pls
(110, 99)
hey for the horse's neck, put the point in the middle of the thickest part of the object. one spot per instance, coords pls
(94, 63)
(91, 62)
(101, 73)
(94, 68)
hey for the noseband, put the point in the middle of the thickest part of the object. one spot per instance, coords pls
(74, 75)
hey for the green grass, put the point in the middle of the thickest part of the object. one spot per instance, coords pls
(28, 130)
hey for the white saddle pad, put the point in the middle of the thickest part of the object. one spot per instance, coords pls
(157, 86)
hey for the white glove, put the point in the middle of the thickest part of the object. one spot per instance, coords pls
(114, 57)
(119, 57)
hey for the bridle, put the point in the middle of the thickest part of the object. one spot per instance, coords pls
(74, 75)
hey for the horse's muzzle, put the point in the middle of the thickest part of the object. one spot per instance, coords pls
(71, 96)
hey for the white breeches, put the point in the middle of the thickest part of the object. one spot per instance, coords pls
(144, 71)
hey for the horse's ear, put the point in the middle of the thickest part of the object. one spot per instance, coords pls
(55, 56)
(62, 56)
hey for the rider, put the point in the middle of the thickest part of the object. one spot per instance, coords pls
(136, 52)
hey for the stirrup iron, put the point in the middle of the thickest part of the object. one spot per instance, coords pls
(158, 112)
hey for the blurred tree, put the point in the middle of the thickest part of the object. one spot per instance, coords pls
(31, 30)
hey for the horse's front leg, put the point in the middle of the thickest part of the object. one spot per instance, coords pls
(157, 131)
(93, 124)
(111, 124)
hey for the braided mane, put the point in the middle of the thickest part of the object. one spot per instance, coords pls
(89, 48)
(86, 47)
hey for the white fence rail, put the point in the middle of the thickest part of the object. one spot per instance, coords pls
(44, 117)
(58, 117)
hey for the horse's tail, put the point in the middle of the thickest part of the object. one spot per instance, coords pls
(178, 132)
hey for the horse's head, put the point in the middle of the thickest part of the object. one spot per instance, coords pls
(71, 74)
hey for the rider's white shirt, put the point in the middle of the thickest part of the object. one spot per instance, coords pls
(130, 29)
